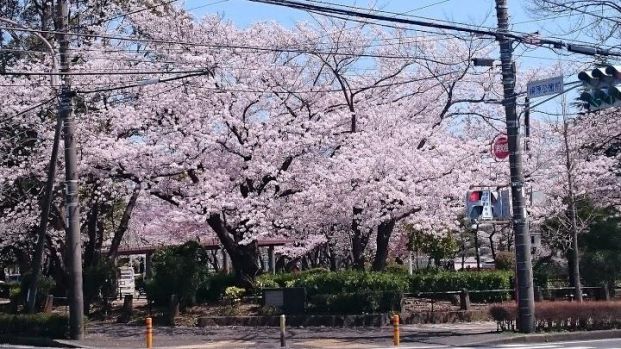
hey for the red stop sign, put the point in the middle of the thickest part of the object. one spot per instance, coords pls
(500, 147)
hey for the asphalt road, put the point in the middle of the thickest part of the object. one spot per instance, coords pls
(586, 344)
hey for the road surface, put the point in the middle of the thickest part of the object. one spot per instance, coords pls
(586, 344)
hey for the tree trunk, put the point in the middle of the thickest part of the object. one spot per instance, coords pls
(89, 250)
(570, 267)
(491, 243)
(575, 270)
(359, 241)
(243, 257)
(476, 248)
(124, 224)
(384, 231)
(332, 257)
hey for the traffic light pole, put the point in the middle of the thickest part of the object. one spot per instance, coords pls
(73, 244)
(524, 270)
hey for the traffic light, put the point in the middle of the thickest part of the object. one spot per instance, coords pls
(487, 205)
(479, 205)
(603, 87)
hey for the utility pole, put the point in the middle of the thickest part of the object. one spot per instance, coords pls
(73, 244)
(524, 269)
(575, 268)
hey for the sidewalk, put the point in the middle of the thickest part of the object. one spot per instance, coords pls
(123, 336)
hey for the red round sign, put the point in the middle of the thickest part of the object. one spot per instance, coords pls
(500, 147)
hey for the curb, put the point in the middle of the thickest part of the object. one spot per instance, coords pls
(551, 337)
(37, 342)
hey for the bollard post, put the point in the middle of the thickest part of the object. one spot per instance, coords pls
(395, 333)
(128, 308)
(149, 333)
(464, 300)
(174, 309)
(283, 340)
(538, 294)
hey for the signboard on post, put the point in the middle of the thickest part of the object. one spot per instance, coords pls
(545, 87)
(500, 147)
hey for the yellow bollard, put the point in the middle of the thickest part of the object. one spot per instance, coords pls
(149, 332)
(395, 334)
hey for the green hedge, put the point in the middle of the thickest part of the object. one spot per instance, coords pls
(344, 292)
(443, 281)
(319, 282)
(355, 303)
(339, 287)
(36, 325)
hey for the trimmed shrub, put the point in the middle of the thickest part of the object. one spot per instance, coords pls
(36, 325)
(349, 282)
(344, 292)
(444, 281)
(356, 291)
(356, 303)
(562, 316)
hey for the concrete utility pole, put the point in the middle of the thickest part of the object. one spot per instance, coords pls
(524, 269)
(73, 244)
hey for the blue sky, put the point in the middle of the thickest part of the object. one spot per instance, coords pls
(479, 12)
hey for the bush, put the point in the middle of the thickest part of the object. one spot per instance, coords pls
(356, 303)
(44, 288)
(356, 291)
(349, 282)
(344, 292)
(212, 289)
(36, 325)
(561, 316)
(546, 271)
(444, 281)
(505, 260)
(10, 290)
(234, 294)
(178, 270)
(99, 281)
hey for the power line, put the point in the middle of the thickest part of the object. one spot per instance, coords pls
(590, 50)
(228, 46)
(27, 73)
(391, 13)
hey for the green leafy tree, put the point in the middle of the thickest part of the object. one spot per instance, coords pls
(601, 258)
(178, 270)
